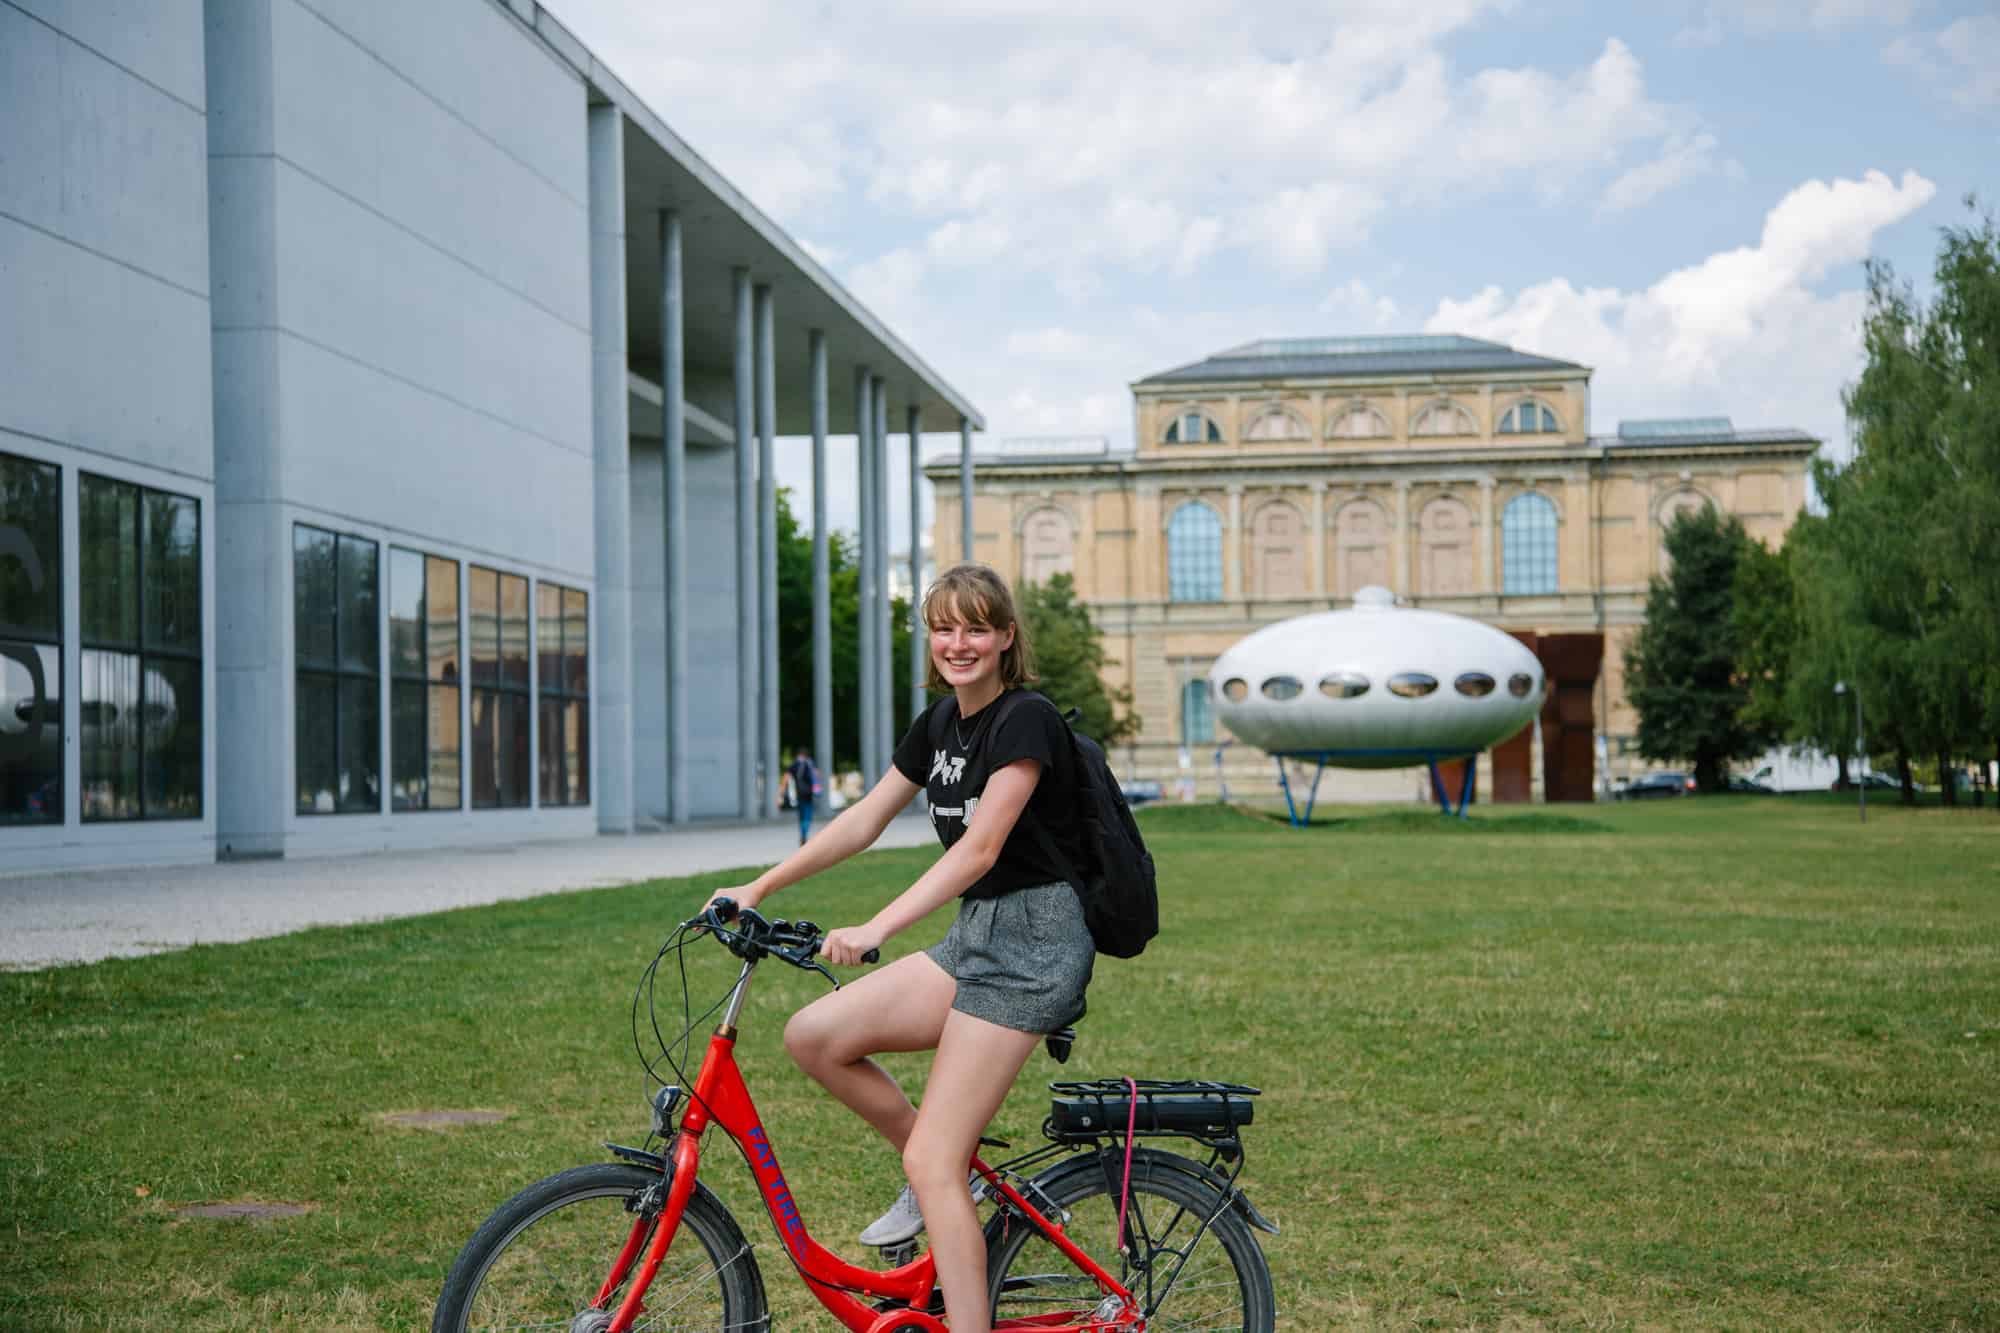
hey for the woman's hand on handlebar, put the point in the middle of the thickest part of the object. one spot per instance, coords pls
(845, 945)
(743, 895)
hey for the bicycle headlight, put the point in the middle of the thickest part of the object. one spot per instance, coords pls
(665, 1102)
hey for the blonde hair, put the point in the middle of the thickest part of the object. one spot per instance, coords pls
(972, 594)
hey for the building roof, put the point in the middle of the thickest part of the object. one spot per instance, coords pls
(1334, 358)
(1677, 431)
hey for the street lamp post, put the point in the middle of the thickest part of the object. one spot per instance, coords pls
(1860, 746)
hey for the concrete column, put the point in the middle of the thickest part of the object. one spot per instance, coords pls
(1487, 586)
(611, 451)
(746, 550)
(673, 514)
(964, 489)
(1402, 565)
(1232, 547)
(767, 549)
(822, 615)
(1317, 542)
(864, 524)
(918, 637)
(885, 659)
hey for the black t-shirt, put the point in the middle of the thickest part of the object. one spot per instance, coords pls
(953, 772)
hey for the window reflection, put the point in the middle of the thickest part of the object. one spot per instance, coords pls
(31, 640)
(337, 702)
(1412, 684)
(1282, 688)
(562, 632)
(1474, 684)
(424, 752)
(498, 632)
(1344, 685)
(140, 699)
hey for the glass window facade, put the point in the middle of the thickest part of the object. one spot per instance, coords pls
(337, 709)
(1194, 554)
(562, 637)
(140, 652)
(1193, 428)
(1197, 718)
(1528, 546)
(31, 642)
(497, 642)
(426, 760)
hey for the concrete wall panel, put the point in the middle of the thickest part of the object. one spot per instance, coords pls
(368, 290)
(100, 157)
(363, 444)
(157, 40)
(712, 612)
(100, 356)
(362, 129)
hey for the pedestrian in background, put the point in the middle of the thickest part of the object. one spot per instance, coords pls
(804, 778)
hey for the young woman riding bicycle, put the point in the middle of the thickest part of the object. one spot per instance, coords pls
(1015, 962)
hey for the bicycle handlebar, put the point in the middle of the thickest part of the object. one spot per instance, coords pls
(754, 937)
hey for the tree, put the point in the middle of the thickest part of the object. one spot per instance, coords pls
(795, 646)
(1682, 669)
(1069, 655)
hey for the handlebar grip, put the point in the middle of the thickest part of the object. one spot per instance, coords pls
(872, 956)
(724, 909)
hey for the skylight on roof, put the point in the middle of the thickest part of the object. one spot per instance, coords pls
(1362, 346)
(1674, 428)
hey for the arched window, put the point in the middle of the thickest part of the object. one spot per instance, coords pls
(1530, 416)
(1447, 563)
(1528, 546)
(1193, 426)
(1048, 546)
(1197, 721)
(1277, 422)
(1277, 552)
(1361, 548)
(1443, 417)
(1357, 421)
(1194, 554)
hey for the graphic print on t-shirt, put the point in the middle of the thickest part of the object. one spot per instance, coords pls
(961, 753)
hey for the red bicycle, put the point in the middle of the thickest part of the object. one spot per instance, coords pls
(1106, 1236)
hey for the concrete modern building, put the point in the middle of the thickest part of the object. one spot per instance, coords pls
(386, 415)
(1281, 477)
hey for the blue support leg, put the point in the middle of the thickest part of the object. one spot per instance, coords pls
(1312, 797)
(1465, 791)
(1437, 789)
(1286, 786)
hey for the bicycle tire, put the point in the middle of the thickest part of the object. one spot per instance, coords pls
(1222, 1281)
(540, 1258)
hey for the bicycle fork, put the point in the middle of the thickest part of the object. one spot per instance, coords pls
(686, 1158)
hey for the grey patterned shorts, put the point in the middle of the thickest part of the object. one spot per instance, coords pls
(1021, 960)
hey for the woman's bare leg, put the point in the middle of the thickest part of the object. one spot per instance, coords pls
(976, 1064)
(900, 1007)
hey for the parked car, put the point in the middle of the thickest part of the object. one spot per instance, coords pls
(1667, 783)
(1750, 787)
(1138, 793)
(1872, 781)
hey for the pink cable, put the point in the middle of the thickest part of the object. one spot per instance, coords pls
(1125, 1190)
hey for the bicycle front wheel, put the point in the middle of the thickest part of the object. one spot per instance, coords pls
(1191, 1260)
(542, 1257)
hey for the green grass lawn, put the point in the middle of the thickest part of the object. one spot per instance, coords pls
(1694, 1064)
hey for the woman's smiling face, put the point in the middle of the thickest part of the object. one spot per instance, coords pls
(967, 654)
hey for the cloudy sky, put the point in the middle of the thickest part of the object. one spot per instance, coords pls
(1049, 199)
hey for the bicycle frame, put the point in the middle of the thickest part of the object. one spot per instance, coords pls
(720, 1097)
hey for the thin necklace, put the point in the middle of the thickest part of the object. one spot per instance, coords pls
(980, 716)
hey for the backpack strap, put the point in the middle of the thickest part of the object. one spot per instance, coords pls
(1042, 838)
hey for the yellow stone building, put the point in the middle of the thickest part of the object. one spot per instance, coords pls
(1280, 477)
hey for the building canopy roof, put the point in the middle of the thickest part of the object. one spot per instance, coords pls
(1334, 358)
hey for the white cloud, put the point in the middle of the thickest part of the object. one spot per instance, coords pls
(1126, 135)
(1679, 162)
(1961, 61)
(1741, 334)
(1356, 305)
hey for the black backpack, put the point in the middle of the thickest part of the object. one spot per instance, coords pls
(1121, 901)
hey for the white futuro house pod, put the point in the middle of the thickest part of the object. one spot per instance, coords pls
(1376, 686)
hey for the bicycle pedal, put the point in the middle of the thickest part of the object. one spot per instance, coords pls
(898, 1253)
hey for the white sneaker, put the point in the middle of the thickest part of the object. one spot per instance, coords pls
(904, 1221)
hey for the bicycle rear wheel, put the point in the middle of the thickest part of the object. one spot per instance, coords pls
(541, 1258)
(1188, 1276)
